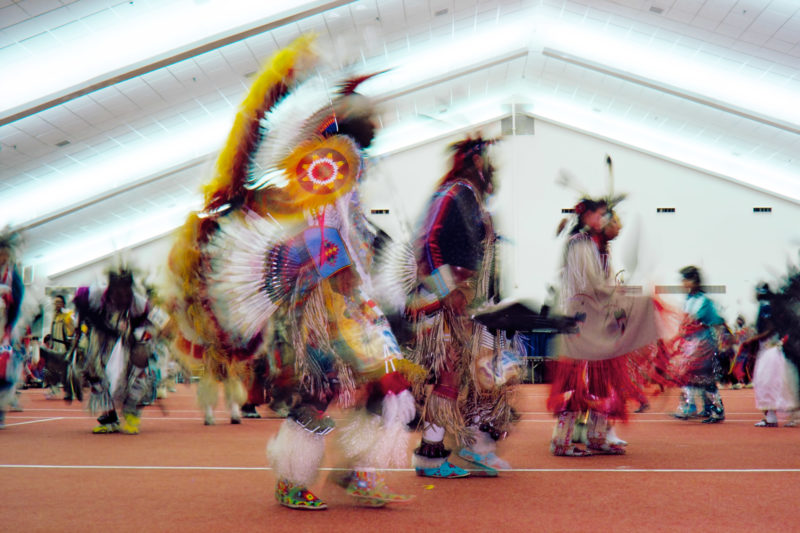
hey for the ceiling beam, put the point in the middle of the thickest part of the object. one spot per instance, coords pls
(164, 60)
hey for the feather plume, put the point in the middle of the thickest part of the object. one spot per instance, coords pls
(272, 84)
(237, 276)
(395, 275)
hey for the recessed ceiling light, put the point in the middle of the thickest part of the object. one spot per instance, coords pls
(62, 143)
(441, 12)
(657, 10)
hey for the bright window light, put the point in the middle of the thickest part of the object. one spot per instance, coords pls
(139, 33)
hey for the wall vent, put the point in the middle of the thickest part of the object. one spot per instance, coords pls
(567, 210)
(379, 211)
(665, 209)
(762, 210)
(680, 289)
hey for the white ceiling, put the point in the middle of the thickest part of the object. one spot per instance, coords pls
(115, 157)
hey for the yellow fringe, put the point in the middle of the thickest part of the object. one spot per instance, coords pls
(281, 68)
(411, 371)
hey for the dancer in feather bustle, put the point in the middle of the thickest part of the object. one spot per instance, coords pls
(455, 269)
(277, 265)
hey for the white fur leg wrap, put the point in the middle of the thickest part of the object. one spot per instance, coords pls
(207, 393)
(482, 443)
(295, 454)
(370, 441)
(235, 393)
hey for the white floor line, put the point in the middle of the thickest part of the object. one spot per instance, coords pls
(220, 420)
(31, 421)
(650, 413)
(154, 408)
(330, 469)
(657, 421)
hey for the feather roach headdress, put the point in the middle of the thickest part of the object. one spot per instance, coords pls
(587, 202)
(12, 241)
(463, 152)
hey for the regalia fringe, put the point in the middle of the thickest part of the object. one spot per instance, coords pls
(311, 329)
(446, 412)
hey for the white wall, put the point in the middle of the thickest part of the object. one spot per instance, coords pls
(714, 226)
(150, 258)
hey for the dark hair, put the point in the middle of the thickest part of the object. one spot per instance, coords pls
(60, 296)
(463, 164)
(123, 278)
(763, 291)
(692, 273)
(362, 129)
(586, 205)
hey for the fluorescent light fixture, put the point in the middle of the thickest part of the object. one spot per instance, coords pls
(416, 132)
(109, 241)
(69, 256)
(205, 136)
(692, 153)
(445, 59)
(665, 67)
(409, 134)
(135, 35)
(116, 169)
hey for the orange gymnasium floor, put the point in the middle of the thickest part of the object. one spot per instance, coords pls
(179, 475)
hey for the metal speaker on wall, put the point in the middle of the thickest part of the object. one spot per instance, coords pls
(517, 125)
(28, 274)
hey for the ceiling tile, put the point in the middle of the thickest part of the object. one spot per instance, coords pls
(716, 10)
(779, 45)
(11, 15)
(753, 37)
(38, 7)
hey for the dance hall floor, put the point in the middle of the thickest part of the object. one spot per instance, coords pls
(178, 475)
